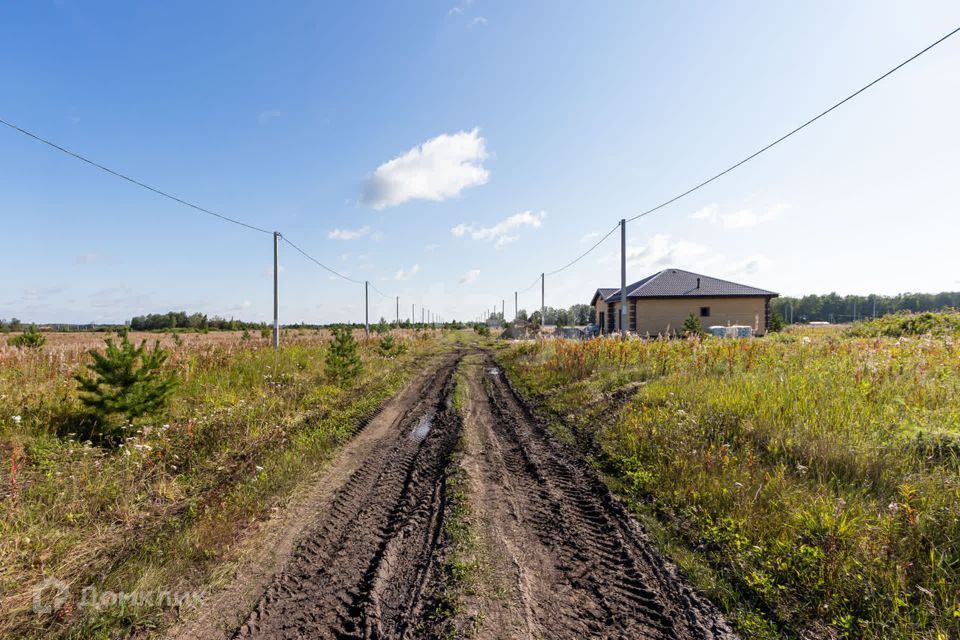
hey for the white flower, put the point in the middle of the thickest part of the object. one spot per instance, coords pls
(16, 419)
(259, 468)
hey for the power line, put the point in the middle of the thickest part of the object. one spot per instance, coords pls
(132, 180)
(584, 254)
(802, 126)
(320, 264)
(532, 285)
(382, 294)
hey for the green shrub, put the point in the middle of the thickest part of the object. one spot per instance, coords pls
(343, 359)
(390, 347)
(776, 322)
(692, 326)
(29, 339)
(908, 324)
(126, 382)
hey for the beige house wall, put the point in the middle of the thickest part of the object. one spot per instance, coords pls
(666, 315)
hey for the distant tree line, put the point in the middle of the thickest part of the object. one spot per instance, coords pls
(835, 308)
(193, 321)
(576, 315)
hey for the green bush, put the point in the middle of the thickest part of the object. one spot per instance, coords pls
(29, 339)
(343, 359)
(692, 326)
(908, 324)
(126, 382)
(776, 322)
(390, 348)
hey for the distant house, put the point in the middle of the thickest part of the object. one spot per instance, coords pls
(659, 304)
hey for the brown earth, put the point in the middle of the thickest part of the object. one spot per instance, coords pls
(558, 556)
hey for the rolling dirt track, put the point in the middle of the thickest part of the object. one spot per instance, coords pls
(560, 558)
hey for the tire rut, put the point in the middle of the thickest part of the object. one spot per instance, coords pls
(362, 571)
(613, 583)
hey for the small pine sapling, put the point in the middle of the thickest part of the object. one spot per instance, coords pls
(343, 359)
(692, 326)
(125, 381)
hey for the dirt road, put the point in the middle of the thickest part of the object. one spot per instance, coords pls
(559, 557)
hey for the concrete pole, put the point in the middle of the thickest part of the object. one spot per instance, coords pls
(398, 311)
(543, 298)
(413, 315)
(421, 315)
(516, 311)
(623, 279)
(276, 289)
(366, 307)
(503, 310)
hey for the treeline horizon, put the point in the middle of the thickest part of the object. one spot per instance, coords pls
(830, 307)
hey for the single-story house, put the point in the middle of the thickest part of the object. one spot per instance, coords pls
(659, 304)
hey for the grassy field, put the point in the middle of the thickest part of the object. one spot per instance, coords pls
(808, 481)
(166, 510)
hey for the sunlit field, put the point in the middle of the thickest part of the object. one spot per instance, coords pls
(809, 481)
(246, 424)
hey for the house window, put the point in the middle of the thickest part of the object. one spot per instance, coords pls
(704, 312)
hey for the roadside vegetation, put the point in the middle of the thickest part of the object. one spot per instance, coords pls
(808, 481)
(909, 324)
(459, 567)
(161, 500)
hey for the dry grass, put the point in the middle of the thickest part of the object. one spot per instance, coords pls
(811, 481)
(245, 426)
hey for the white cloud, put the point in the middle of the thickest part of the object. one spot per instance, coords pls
(659, 252)
(266, 116)
(403, 274)
(738, 219)
(470, 276)
(500, 233)
(479, 21)
(709, 213)
(433, 246)
(459, 8)
(436, 170)
(348, 234)
(748, 218)
(87, 258)
(593, 235)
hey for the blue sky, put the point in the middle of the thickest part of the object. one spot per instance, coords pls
(451, 151)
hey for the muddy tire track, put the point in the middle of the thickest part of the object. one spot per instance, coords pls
(599, 577)
(362, 572)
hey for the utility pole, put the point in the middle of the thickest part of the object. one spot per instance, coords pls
(543, 297)
(516, 311)
(623, 279)
(503, 309)
(366, 307)
(421, 315)
(276, 289)
(398, 311)
(413, 315)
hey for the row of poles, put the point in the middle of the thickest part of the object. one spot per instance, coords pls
(428, 317)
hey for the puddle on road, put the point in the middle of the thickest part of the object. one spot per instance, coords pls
(422, 428)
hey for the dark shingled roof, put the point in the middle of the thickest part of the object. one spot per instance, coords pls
(677, 283)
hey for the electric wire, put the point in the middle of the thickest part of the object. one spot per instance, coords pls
(802, 126)
(584, 254)
(318, 263)
(132, 180)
